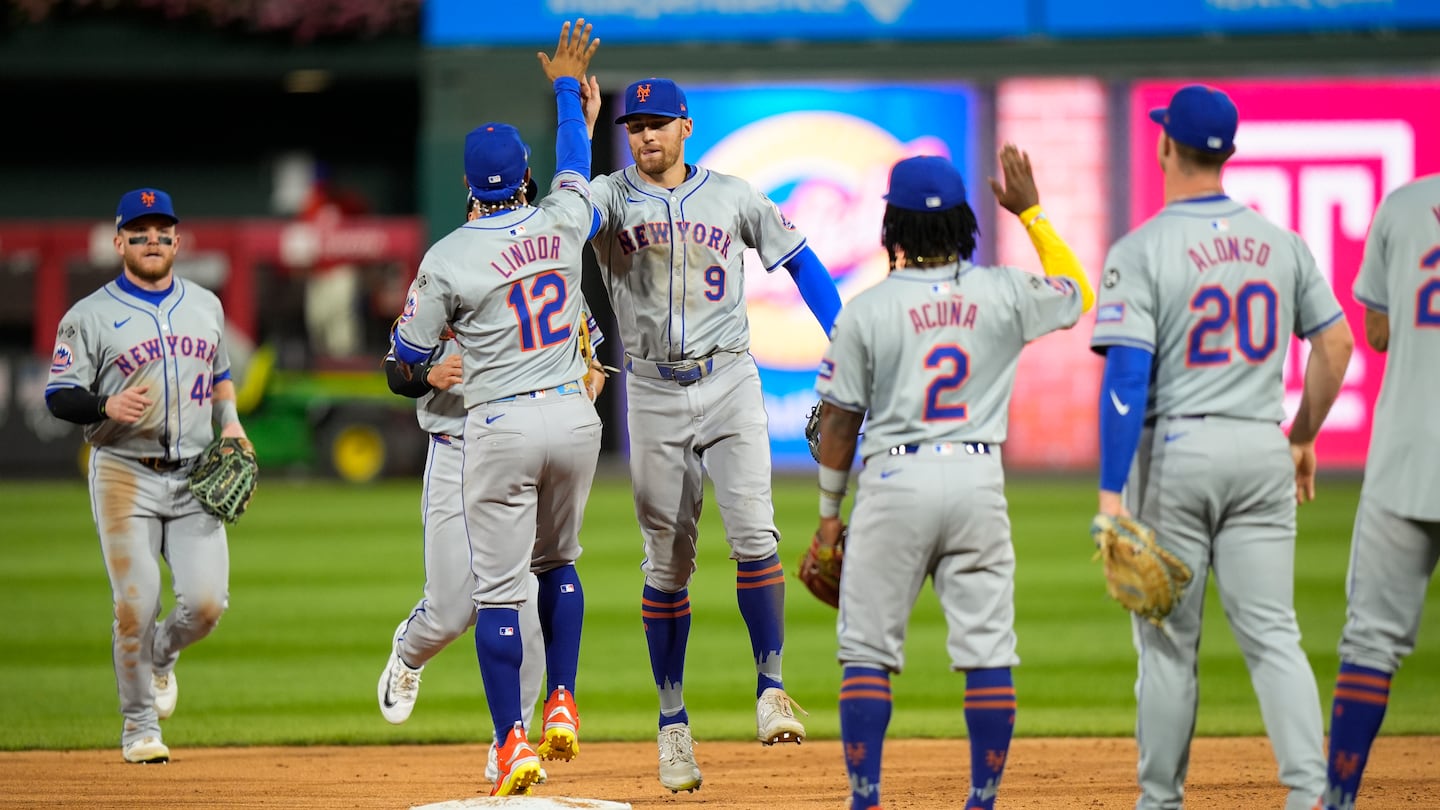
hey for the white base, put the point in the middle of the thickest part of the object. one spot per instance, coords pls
(527, 803)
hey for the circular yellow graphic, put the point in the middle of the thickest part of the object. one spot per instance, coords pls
(358, 453)
(835, 167)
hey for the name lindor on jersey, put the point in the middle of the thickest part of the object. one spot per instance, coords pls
(952, 311)
(1223, 249)
(514, 258)
(149, 351)
(659, 233)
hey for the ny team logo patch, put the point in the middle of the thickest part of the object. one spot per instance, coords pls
(62, 359)
(147, 199)
(411, 302)
(1110, 313)
(642, 93)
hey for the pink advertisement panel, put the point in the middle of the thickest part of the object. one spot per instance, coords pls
(1315, 156)
(1063, 124)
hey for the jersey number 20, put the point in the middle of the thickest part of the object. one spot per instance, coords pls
(1252, 314)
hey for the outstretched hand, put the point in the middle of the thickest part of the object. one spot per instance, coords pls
(1019, 192)
(572, 53)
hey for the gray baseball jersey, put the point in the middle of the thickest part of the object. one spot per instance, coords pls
(1400, 276)
(112, 340)
(673, 263)
(509, 287)
(931, 354)
(118, 338)
(673, 260)
(1396, 540)
(1214, 291)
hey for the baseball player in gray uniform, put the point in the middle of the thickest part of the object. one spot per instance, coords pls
(1397, 527)
(508, 284)
(1195, 312)
(671, 250)
(446, 610)
(930, 354)
(141, 363)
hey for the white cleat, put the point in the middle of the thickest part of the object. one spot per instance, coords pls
(167, 693)
(399, 686)
(146, 751)
(678, 770)
(775, 720)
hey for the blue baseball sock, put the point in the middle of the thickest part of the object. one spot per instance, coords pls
(1361, 697)
(667, 631)
(864, 716)
(500, 650)
(760, 590)
(562, 613)
(990, 718)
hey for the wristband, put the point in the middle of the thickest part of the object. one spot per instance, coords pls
(833, 484)
(1031, 215)
(223, 414)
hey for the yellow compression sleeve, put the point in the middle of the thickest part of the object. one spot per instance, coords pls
(1055, 256)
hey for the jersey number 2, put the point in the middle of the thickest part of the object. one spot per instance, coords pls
(538, 330)
(955, 364)
(1255, 331)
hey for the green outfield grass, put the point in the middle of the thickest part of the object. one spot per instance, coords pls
(322, 572)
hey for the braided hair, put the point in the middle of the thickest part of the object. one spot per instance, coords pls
(930, 237)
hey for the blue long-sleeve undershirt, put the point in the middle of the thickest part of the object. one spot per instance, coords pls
(816, 286)
(1124, 390)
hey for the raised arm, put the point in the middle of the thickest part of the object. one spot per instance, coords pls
(566, 71)
(1020, 197)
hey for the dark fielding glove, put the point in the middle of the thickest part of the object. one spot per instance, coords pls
(224, 478)
(1143, 577)
(812, 431)
(820, 567)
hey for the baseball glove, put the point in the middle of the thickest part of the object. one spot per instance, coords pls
(812, 431)
(587, 351)
(225, 477)
(820, 567)
(1143, 577)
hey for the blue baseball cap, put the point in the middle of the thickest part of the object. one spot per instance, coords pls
(926, 183)
(1200, 117)
(495, 161)
(143, 202)
(654, 97)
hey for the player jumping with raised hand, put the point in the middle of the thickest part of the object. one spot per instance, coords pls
(671, 251)
(507, 283)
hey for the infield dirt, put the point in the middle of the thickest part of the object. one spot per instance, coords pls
(1097, 774)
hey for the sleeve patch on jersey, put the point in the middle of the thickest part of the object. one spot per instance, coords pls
(1110, 313)
(1063, 285)
(62, 359)
(1112, 277)
(827, 369)
(411, 301)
